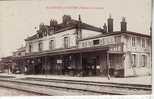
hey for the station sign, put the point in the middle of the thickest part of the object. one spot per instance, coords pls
(59, 61)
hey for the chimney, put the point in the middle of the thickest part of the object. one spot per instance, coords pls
(110, 24)
(105, 27)
(79, 18)
(66, 19)
(41, 26)
(79, 31)
(123, 25)
(53, 22)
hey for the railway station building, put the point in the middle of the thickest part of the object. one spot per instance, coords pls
(76, 48)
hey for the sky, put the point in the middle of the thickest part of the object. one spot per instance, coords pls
(18, 19)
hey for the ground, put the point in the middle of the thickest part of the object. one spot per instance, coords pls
(12, 92)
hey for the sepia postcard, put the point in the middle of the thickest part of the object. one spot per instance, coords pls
(76, 48)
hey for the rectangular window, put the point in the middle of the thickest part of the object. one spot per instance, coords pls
(148, 42)
(40, 46)
(143, 43)
(134, 60)
(89, 43)
(30, 47)
(102, 41)
(83, 44)
(66, 42)
(117, 39)
(144, 60)
(51, 44)
(133, 41)
(95, 42)
(138, 41)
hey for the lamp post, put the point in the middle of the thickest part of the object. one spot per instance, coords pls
(9, 63)
(8, 68)
(45, 62)
(108, 66)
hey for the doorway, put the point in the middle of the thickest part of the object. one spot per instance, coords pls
(89, 66)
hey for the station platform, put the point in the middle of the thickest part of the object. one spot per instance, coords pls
(142, 80)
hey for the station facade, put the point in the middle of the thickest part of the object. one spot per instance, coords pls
(75, 48)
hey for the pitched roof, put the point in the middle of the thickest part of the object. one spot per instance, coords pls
(31, 37)
(116, 33)
(72, 24)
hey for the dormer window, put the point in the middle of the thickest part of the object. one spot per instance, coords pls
(45, 33)
(40, 35)
(96, 42)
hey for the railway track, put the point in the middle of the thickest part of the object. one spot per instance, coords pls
(71, 87)
(109, 84)
(19, 87)
(44, 89)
